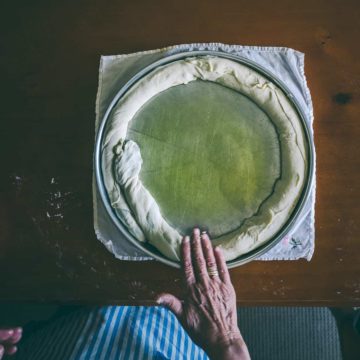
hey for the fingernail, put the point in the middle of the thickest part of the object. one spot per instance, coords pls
(197, 231)
(19, 330)
(159, 301)
(10, 332)
(217, 248)
(186, 239)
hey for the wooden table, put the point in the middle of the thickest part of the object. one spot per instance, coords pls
(49, 60)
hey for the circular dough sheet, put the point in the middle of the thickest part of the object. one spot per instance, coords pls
(211, 156)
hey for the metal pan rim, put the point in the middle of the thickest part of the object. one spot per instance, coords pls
(245, 258)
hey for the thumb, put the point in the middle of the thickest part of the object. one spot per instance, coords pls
(171, 302)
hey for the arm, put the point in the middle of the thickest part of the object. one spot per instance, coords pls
(208, 312)
(236, 349)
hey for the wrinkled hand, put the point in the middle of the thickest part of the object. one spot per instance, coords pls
(8, 340)
(208, 312)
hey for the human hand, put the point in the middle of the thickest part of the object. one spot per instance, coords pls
(208, 312)
(8, 340)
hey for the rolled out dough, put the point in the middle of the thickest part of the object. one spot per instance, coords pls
(122, 160)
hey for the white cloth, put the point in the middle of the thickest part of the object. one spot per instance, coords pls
(285, 63)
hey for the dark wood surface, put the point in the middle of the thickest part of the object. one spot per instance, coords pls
(49, 58)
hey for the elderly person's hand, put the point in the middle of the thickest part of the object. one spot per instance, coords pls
(8, 340)
(208, 312)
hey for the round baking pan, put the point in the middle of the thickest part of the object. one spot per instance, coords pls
(151, 250)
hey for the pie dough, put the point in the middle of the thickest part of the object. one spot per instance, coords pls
(122, 161)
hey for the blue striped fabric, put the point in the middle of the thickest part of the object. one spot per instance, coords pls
(113, 332)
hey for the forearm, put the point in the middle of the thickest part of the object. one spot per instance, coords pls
(235, 349)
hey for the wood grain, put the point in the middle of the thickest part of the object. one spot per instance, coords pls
(49, 57)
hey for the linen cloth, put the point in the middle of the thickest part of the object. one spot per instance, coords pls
(285, 63)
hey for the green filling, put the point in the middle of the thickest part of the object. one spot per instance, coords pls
(210, 155)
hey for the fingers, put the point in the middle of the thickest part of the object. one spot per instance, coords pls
(6, 334)
(198, 257)
(186, 261)
(171, 302)
(8, 338)
(8, 351)
(15, 338)
(11, 350)
(221, 265)
(208, 252)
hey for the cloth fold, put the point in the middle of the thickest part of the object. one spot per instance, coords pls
(285, 63)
